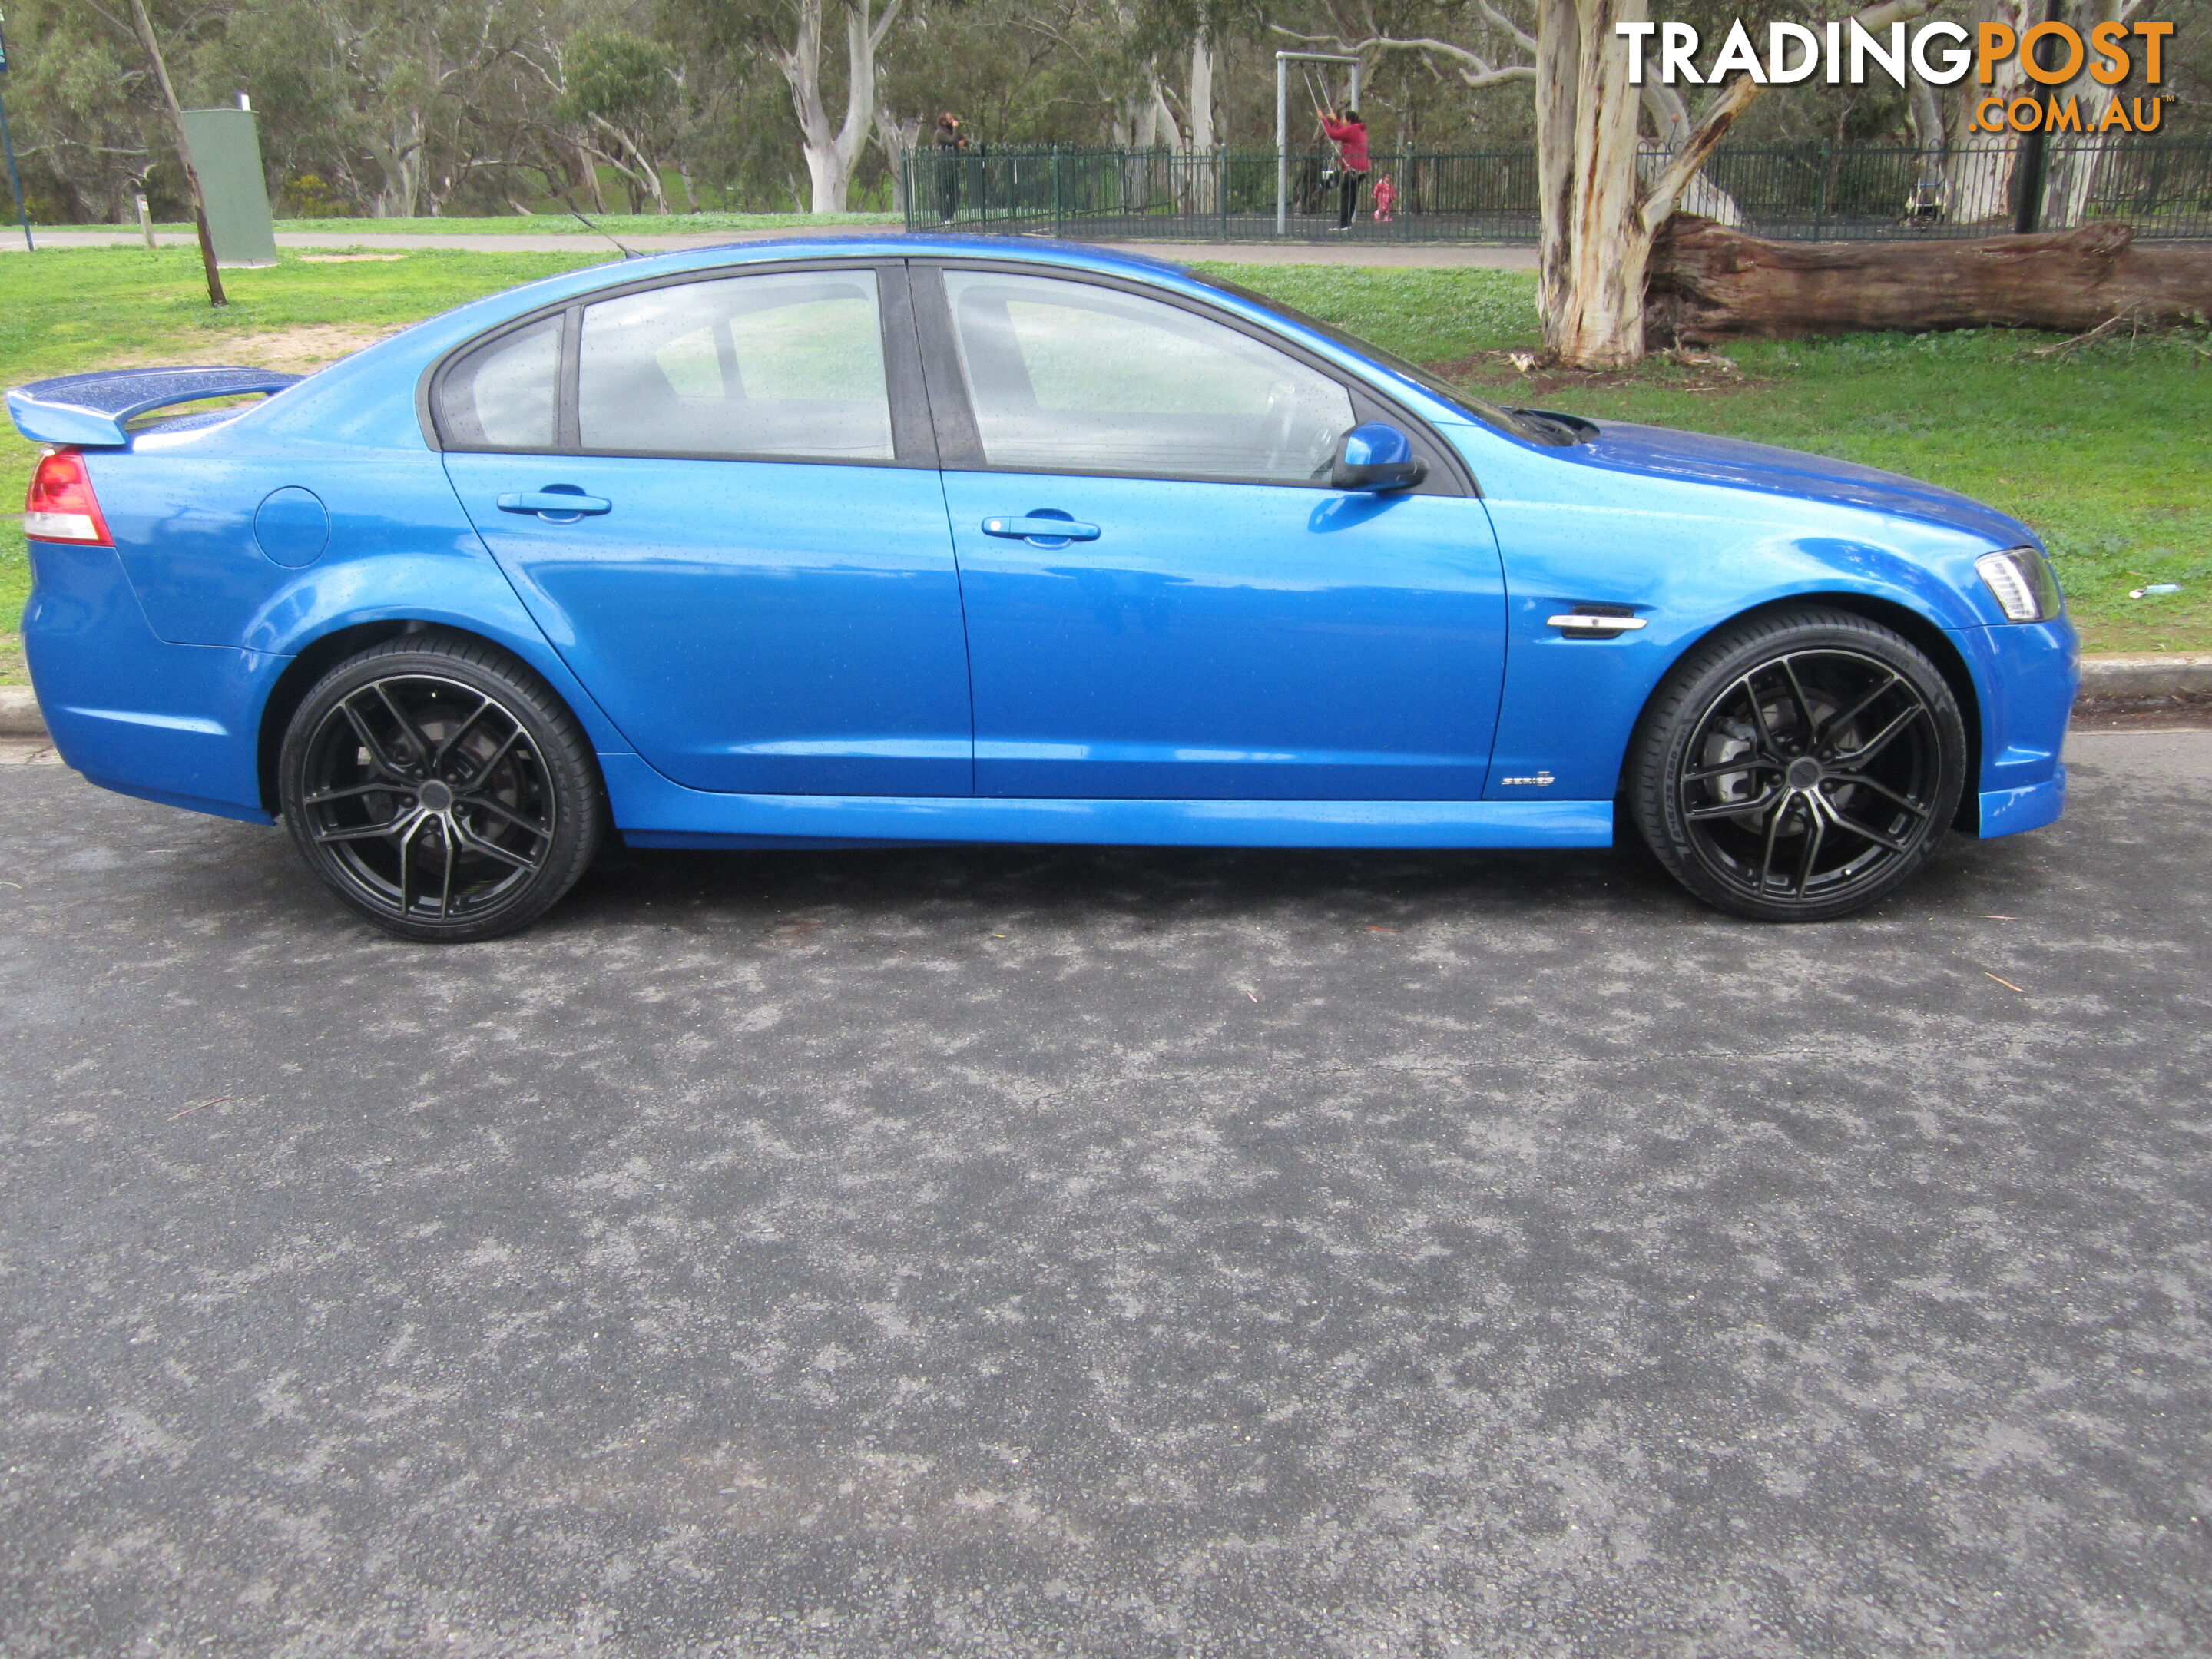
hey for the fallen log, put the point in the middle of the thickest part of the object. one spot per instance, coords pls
(1706, 282)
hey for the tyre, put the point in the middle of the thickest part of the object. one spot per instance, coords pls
(440, 789)
(1797, 766)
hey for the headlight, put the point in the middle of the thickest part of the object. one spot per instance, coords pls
(2025, 587)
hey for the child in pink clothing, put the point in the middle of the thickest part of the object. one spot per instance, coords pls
(1386, 194)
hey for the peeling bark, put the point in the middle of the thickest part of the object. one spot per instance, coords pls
(2074, 167)
(1598, 219)
(1709, 284)
(1600, 323)
(1980, 183)
(1558, 51)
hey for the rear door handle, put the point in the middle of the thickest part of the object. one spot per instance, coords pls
(1040, 527)
(554, 503)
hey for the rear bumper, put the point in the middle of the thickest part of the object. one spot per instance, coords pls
(171, 723)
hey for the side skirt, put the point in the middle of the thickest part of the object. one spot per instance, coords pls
(651, 811)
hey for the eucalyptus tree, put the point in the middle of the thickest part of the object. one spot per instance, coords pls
(623, 94)
(832, 83)
(1603, 191)
(401, 105)
(83, 98)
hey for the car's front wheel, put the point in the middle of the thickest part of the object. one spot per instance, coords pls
(440, 789)
(1798, 766)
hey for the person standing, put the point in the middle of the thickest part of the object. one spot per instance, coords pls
(1349, 135)
(1385, 197)
(950, 141)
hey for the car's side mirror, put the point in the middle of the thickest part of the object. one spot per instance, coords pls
(1377, 457)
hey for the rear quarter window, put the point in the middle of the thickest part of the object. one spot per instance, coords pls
(505, 394)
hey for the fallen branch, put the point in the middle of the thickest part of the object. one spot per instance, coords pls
(1707, 282)
(2103, 331)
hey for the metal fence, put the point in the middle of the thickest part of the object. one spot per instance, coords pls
(1811, 192)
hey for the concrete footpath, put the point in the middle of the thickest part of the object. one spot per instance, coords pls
(1455, 255)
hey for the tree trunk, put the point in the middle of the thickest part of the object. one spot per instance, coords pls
(1196, 181)
(1165, 132)
(1924, 112)
(2074, 162)
(1599, 323)
(640, 173)
(1558, 51)
(831, 152)
(1598, 217)
(897, 135)
(145, 28)
(1980, 173)
(1671, 123)
(1708, 283)
(1200, 105)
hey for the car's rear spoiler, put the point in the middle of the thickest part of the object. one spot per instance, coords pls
(93, 410)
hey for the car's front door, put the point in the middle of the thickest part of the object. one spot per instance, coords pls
(755, 580)
(1216, 623)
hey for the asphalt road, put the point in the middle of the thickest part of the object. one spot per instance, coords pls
(1108, 1253)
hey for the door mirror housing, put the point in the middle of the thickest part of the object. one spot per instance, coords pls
(1377, 457)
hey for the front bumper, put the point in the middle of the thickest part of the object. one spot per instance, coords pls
(2025, 675)
(2008, 811)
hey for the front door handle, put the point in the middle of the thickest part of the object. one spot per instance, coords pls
(1042, 527)
(564, 504)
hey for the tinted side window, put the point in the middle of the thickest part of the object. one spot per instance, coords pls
(788, 364)
(503, 394)
(1067, 377)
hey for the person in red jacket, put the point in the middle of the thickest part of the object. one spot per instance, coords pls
(1349, 135)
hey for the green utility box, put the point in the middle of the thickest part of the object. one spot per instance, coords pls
(226, 151)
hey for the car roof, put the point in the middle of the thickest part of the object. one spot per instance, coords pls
(436, 335)
(1087, 256)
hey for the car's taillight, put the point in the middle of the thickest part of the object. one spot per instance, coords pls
(61, 507)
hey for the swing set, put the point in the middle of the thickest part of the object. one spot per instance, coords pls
(1302, 59)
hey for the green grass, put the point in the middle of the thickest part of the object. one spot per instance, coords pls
(533, 224)
(2107, 453)
(1431, 316)
(67, 309)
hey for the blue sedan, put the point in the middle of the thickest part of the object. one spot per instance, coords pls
(832, 543)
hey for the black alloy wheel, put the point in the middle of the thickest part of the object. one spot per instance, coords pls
(439, 788)
(1798, 768)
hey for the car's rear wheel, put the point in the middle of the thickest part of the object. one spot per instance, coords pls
(1800, 766)
(439, 788)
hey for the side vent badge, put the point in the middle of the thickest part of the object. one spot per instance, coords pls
(1590, 622)
(1541, 781)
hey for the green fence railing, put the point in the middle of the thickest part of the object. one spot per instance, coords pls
(1807, 192)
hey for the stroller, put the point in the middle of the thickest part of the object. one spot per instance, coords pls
(1924, 206)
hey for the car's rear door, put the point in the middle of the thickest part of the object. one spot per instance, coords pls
(1218, 624)
(755, 580)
